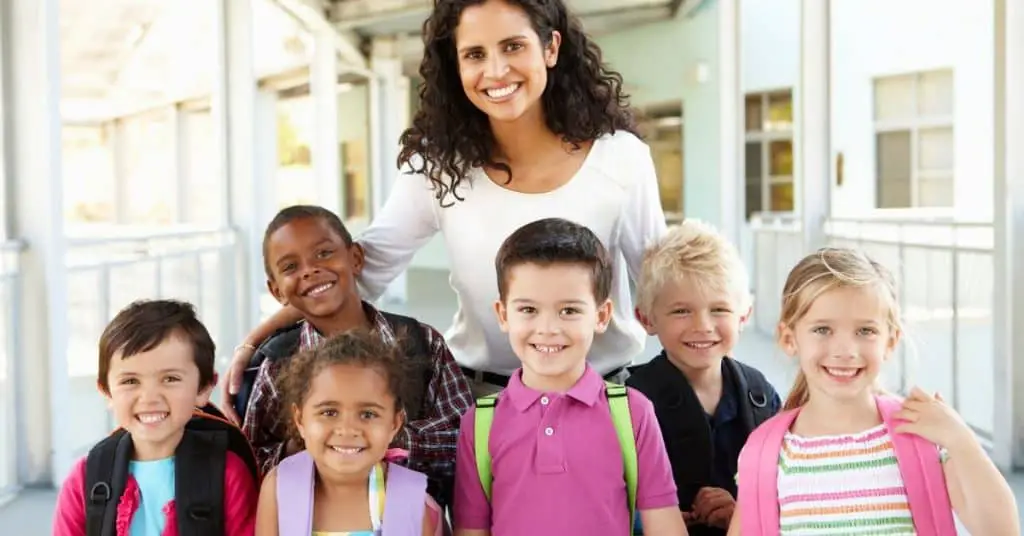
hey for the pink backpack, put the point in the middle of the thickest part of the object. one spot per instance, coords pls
(917, 458)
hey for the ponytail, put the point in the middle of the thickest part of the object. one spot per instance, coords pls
(798, 394)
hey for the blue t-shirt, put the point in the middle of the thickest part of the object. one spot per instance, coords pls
(156, 489)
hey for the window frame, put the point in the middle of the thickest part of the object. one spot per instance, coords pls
(914, 122)
(764, 138)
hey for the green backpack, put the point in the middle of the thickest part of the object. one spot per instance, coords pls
(618, 402)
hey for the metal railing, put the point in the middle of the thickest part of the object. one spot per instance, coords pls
(107, 273)
(943, 270)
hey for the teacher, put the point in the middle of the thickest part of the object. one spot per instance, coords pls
(519, 120)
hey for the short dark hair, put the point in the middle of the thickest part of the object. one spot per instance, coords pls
(359, 347)
(302, 212)
(144, 324)
(555, 241)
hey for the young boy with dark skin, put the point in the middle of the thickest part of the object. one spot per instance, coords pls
(312, 265)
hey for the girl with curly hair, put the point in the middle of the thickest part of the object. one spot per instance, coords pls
(519, 120)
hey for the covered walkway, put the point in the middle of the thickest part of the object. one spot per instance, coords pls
(146, 144)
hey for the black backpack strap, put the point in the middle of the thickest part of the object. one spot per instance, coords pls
(411, 332)
(757, 393)
(106, 471)
(282, 344)
(199, 463)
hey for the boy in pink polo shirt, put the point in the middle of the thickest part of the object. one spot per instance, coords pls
(556, 462)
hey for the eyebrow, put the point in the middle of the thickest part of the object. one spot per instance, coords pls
(161, 371)
(561, 302)
(289, 256)
(830, 320)
(333, 404)
(504, 41)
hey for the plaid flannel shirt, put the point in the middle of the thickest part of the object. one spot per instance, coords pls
(430, 440)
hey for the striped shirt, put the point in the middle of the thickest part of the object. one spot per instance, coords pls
(844, 484)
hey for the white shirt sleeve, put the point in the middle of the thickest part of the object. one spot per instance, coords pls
(642, 221)
(405, 223)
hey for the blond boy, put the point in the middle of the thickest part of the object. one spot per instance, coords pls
(694, 295)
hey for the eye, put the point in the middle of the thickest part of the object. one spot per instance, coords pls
(867, 332)
(324, 253)
(568, 311)
(129, 381)
(527, 309)
(821, 330)
(474, 55)
(172, 379)
(513, 47)
(368, 415)
(288, 268)
(680, 311)
(721, 310)
(329, 413)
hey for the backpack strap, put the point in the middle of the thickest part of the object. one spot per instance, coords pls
(295, 482)
(759, 474)
(405, 493)
(106, 471)
(618, 403)
(921, 469)
(410, 331)
(482, 420)
(199, 463)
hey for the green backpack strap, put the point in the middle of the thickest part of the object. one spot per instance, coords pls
(482, 420)
(618, 402)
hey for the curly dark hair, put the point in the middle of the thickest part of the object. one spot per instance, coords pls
(583, 99)
(359, 347)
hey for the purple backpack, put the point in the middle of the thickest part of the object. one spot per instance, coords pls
(405, 492)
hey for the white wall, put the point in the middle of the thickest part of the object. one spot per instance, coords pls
(770, 41)
(874, 38)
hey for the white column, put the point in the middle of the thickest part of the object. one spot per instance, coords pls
(32, 131)
(182, 164)
(730, 104)
(248, 189)
(391, 108)
(326, 151)
(118, 146)
(1008, 301)
(813, 147)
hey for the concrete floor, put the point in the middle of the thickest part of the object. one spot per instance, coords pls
(431, 300)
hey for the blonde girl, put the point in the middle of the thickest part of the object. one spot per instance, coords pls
(843, 458)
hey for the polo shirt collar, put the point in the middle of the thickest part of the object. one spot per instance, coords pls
(587, 390)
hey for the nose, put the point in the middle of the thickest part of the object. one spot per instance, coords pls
(309, 269)
(497, 66)
(702, 322)
(348, 425)
(549, 324)
(843, 346)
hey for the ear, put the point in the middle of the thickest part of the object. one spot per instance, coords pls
(787, 340)
(203, 398)
(645, 321)
(893, 341)
(357, 258)
(104, 393)
(604, 316)
(502, 312)
(399, 421)
(745, 317)
(276, 292)
(297, 419)
(551, 51)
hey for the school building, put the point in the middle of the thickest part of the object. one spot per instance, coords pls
(146, 144)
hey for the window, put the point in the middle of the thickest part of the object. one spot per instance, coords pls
(914, 151)
(769, 152)
(663, 130)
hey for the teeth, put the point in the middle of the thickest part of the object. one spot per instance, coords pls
(150, 418)
(502, 92)
(548, 349)
(319, 289)
(842, 373)
(701, 345)
(347, 450)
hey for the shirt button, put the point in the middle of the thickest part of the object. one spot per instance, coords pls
(544, 400)
(549, 430)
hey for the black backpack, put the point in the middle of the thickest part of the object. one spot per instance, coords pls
(285, 343)
(198, 491)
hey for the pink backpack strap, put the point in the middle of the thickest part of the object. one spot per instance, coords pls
(405, 496)
(759, 476)
(921, 469)
(295, 479)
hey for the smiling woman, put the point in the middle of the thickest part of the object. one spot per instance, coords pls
(519, 120)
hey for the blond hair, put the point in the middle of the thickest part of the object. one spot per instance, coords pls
(825, 270)
(695, 251)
